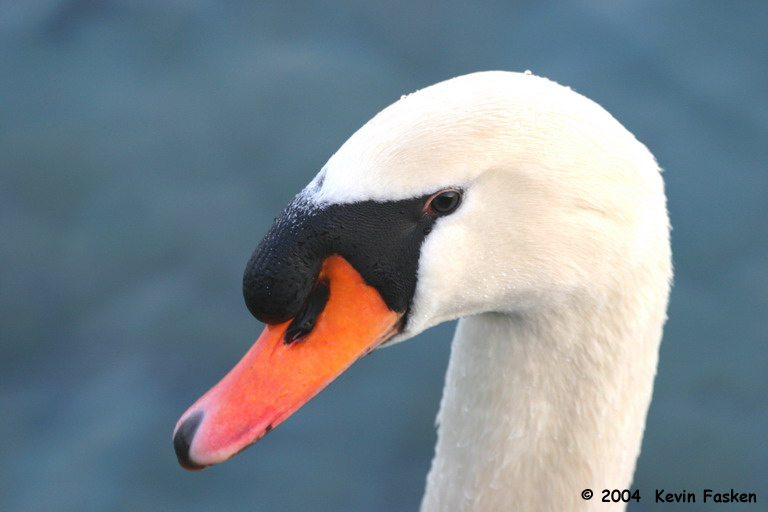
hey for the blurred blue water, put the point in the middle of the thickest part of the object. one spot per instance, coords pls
(145, 147)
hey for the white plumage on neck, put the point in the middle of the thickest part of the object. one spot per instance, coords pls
(538, 407)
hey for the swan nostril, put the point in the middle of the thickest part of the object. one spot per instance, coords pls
(182, 440)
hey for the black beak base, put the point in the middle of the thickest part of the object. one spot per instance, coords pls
(382, 240)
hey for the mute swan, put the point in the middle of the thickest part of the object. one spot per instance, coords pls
(508, 201)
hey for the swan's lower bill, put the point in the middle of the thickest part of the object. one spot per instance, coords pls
(280, 373)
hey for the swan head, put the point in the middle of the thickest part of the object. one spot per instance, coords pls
(557, 196)
(491, 192)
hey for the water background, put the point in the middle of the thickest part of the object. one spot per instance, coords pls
(146, 145)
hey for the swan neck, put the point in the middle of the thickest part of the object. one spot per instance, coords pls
(538, 408)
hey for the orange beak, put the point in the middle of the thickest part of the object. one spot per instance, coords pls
(275, 378)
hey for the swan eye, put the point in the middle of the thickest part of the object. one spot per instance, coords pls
(445, 202)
